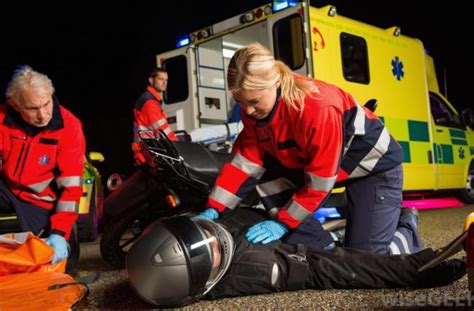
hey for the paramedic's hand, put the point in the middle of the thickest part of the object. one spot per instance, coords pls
(209, 213)
(139, 158)
(266, 232)
(60, 247)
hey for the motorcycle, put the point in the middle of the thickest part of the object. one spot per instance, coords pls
(176, 178)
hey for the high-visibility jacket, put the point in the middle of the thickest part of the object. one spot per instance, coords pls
(149, 116)
(44, 166)
(332, 139)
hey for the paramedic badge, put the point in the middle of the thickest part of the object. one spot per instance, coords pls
(44, 160)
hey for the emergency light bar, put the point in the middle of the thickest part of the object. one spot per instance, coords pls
(183, 41)
(279, 5)
(235, 22)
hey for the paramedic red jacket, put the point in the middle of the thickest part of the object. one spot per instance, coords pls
(333, 140)
(149, 116)
(44, 168)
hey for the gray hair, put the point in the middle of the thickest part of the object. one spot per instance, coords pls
(25, 77)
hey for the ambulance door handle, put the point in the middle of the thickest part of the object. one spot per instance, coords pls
(439, 130)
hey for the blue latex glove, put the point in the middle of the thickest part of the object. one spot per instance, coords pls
(60, 247)
(266, 232)
(209, 213)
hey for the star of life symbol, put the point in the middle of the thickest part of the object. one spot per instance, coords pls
(397, 68)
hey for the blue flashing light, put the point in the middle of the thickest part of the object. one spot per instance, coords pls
(88, 181)
(183, 41)
(279, 5)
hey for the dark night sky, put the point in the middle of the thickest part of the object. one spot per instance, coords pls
(98, 56)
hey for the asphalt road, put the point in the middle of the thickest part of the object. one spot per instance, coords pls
(437, 227)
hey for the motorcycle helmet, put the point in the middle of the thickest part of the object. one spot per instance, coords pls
(178, 260)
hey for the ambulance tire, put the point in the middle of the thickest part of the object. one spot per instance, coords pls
(467, 195)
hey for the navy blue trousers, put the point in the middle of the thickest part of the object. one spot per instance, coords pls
(30, 217)
(373, 211)
(373, 220)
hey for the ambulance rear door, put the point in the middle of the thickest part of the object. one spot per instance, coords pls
(288, 35)
(180, 98)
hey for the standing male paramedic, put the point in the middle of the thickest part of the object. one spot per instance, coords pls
(148, 115)
(41, 159)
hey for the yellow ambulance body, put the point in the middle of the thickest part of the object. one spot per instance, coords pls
(398, 73)
(367, 61)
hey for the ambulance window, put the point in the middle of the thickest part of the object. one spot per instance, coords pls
(289, 41)
(177, 90)
(442, 114)
(355, 63)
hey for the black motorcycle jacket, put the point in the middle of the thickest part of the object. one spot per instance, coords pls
(277, 266)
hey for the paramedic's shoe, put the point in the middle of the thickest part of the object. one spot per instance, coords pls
(443, 274)
(409, 215)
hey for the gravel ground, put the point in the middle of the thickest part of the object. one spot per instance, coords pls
(437, 227)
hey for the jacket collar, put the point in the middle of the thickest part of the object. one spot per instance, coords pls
(154, 92)
(271, 116)
(13, 118)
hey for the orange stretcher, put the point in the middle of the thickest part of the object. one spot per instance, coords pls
(28, 280)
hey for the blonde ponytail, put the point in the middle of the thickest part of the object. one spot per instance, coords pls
(294, 87)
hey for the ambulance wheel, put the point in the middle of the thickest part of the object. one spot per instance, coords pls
(467, 195)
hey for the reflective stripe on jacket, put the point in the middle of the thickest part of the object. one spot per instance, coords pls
(333, 139)
(149, 116)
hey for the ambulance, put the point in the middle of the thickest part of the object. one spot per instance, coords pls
(367, 61)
